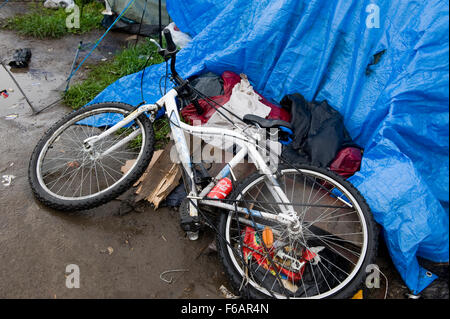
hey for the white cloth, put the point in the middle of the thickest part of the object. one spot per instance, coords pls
(244, 100)
(181, 39)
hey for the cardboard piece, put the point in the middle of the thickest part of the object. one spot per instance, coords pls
(160, 178)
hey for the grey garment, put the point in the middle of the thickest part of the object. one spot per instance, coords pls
(134, 12)
(209, 84)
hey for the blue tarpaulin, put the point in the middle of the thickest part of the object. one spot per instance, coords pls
(382, 64)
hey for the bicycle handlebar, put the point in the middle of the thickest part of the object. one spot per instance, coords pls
(171, 52)
(171, 46)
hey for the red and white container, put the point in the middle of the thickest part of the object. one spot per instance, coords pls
(222, 189)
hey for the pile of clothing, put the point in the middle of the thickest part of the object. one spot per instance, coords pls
(320, 136)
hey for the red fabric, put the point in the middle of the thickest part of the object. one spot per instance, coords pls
(347, 162)
(230, 79)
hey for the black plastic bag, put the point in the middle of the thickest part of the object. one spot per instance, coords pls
(21, 58)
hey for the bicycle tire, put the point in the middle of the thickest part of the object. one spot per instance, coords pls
(52, 201)
(235, 277)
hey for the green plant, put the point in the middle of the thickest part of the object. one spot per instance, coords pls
(161, 128)
(130, 60)
(42, 23)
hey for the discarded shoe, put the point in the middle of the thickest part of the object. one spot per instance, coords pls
(21, 58)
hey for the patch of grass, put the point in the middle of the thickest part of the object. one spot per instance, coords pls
(134, 144)
(128, 61)
(162, 130)
(43, 23)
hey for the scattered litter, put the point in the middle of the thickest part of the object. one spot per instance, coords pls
(21, 58)
(73, 164)
(212, 246)
(104, 59)
(412, 296)
(358, 295)
(11, 117)
(18, 86)
(164, 238)
(5, 168)
(7, 180)
(171, 281)
(10, 90)
(37, 83)
(108, 251)
(226, 293)
(4, 94)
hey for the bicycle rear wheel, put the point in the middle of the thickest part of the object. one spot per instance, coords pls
(65, 176)
(327, 259)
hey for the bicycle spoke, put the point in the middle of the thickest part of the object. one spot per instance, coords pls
(335, 250)
(69, 170)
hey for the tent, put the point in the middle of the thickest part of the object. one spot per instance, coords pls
(150, 13)
(382, 64)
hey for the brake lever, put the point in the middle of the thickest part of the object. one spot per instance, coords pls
(157, 44)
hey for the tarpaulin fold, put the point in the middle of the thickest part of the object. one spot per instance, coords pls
(383, 67)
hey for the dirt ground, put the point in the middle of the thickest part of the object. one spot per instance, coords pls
(36, 243)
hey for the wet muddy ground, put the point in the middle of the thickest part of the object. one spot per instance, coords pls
(121, 252)
(36, 244)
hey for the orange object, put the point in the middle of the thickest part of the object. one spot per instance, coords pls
(268, 237)
(359, 295)
(73, 164)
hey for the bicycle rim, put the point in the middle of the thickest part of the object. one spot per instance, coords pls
(335, 230)
(66, 171)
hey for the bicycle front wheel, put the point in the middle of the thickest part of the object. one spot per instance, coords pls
(64, 175)
(327, 258)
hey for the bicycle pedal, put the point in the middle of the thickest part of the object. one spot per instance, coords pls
(201, 175)
(190, 224)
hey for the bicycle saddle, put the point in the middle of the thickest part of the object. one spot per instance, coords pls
(285, 128)
(265, 123)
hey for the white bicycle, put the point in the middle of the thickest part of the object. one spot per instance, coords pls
(293, 232)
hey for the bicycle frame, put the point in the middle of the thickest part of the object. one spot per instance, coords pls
(287, 215)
